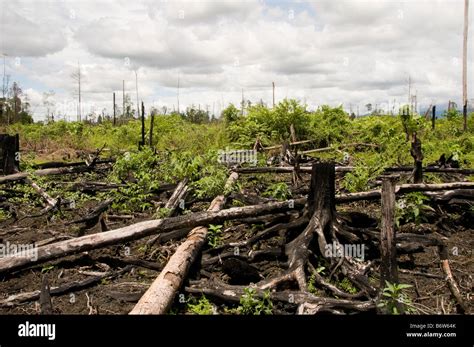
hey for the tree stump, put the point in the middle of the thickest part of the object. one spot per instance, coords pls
(417, 155)
(9, 154)
(388, 251)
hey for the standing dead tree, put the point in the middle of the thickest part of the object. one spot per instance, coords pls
(464, 62)
(142, 141)
(77, 76)
(417, 155)
(389, 268)
(152, 123)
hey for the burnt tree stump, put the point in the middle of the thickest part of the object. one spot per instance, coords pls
(417, 155)
(9, 154)
(321, 212)
(321, 198)
(388, 251)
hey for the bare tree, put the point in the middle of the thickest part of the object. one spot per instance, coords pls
(177, 93)
(4, 81)
(48, 103)
(76, 76)
(464, 57)
(136, 87)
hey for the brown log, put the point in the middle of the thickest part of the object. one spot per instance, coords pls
(60, 164)
(452, 285)
(403, 189)
(286, 169)
(306, 169)
(46, 172)
(92, 217)
(451, 194)
(159, 297)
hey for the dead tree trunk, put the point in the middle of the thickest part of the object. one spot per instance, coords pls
(321, 208)
(9, 154)
(178, 194)
(142, 142)
(417, 155)
(152, 122)
(50, 201)
(388, 267)
(53, 171)
(115, 119)
(321, 200)
(433, 117)
(465, 62)
(452, 285)
(159, 297)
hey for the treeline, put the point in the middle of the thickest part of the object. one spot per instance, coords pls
(15, 107)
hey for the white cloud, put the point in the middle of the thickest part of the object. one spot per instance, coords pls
(351, 52)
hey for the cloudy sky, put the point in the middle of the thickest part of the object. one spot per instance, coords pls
(349, 52)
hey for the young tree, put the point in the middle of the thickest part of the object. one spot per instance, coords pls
(230, 114)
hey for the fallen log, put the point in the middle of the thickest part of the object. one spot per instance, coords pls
(432, 170)
(326, 149)
(291, 144)
(233, 293)
(15, 299)
(93, 216)
(403, 189)
(306, 169)
(451, 194)
(175, 199)
(51, 202)
(171, 205)
(452, 285)
(159, 297)
(46, 172)
(60, 164)
(141, 230)
(280, 227)
(91, 187)
(286, 169)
